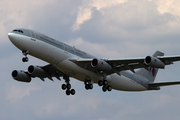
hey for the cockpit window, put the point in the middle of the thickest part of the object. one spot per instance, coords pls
(18, 31)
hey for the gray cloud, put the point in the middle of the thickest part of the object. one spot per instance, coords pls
(114, 29)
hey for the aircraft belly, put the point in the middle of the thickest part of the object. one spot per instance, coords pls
(71, 69)
(125, 84)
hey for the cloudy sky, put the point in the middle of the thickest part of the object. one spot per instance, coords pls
(104, 28)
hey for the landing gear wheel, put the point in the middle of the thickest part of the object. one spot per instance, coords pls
(90, 86)
(63, 86)
(87, 87)
(104, 88)
(68, 92)
(25, 59)
(100, 82)
(105, 82)
(68, 86)
(73, 92)
(109, 88)
(25, 53)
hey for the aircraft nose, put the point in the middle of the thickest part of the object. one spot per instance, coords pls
(13, 38)
(10, 36)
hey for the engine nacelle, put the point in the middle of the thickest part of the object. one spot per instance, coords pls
(100, 65)
(21, 76)
(154, 62)
(36, 71)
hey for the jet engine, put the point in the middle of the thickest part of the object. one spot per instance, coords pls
(154, 62)
(21, 76)
(36, 71)
(100, 65)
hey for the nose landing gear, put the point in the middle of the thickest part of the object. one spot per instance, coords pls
(25, 59)
(25, 53)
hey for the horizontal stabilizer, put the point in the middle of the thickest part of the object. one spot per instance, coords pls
(163, 84)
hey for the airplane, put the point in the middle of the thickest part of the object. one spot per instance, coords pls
(64, 61)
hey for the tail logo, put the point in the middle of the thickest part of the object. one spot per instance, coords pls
(153, 70)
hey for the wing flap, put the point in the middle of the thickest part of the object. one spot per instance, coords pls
(119, 61)
(52, 72)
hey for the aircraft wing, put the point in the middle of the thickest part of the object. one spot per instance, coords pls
(165, 59)
(169, 59)
(121, 64)
(134, 63)
(49, 71)
(163, 84)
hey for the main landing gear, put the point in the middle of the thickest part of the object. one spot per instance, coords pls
(105, 86)
(25, 53)
(88, 84)
(67, 86)
(103, 83)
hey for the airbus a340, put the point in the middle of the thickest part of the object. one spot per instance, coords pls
(66, 61)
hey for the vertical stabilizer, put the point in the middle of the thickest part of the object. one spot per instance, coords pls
(151, 73)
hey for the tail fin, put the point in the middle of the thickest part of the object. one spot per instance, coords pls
(151, 73)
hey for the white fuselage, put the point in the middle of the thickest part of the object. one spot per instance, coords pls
(59, 58)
